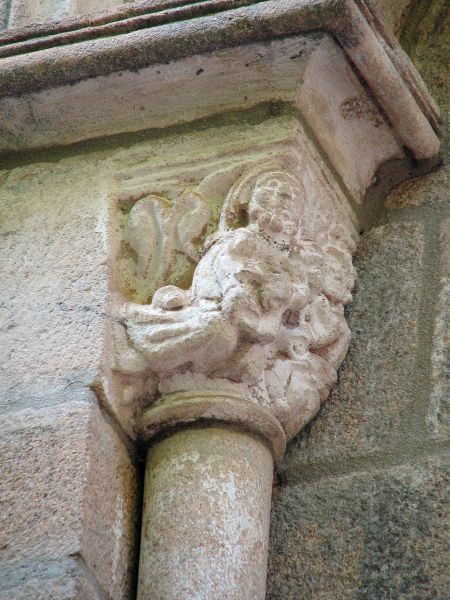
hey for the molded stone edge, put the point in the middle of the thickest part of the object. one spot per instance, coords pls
(196, 29)
(182, 409)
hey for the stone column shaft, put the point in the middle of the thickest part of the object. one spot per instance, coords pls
(206, 516)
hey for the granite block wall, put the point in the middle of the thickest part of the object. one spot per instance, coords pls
(69, 483)
(360, 507)
(358, 511)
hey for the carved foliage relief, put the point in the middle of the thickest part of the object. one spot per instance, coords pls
(161, 241)
(248, 291)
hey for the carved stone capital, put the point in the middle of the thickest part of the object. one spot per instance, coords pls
(231, 242)
(257, 334)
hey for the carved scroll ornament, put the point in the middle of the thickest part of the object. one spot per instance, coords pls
(264, 316)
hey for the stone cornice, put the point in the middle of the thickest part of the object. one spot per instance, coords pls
(132, 38)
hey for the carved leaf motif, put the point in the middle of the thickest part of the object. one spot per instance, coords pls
(156, 234)
(191, 215)
(146, 234)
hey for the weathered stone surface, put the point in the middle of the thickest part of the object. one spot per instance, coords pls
(206, 517)
(371, 536)
(167, 208)
(376, 382)
(68, 488)
(125, 46)
(68, 352)
(54, 280)
(395, 12)
(26, 12)
(110, 511)
(429, 190)
(425, 38)
(439, 413)
(343, 117)
(181, 91)
(264, 311)
(59, 580)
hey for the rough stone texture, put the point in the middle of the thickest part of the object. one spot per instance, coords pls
(439, 413)
(63, 64)
(68, 486)
(66, 580)
(380, 534)
(20, 13)
(59, 325)
(421, 191)
(68, 489)
(52, 296)
(206, 517)
(230, 327)
(363, 413)
(344, 117)
(395, 12)
(370, 536)
(25, 12)
(181, 90)
(189, 191)
(425, 38)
